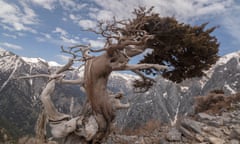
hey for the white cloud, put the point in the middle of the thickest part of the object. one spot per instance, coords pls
(64, 36)
(63, 39)
(231, 23)
(99, 43)
(86, 24)
(187, 11)
(63, 58)
(71, 5)
(11, 46)
(182, 10)
(72, 17)
(96, 43)
(47, 4)
(104, 15)
(9, 35)
(64, 19)
(60, 30)
(46, 36)
(16, 18)
(68, 40)
(30, 15)
(120, 9)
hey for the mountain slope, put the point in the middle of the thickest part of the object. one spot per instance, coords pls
(165, 101)
(19, 98)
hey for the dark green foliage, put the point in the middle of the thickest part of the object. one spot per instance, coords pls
(143, 85)
(187, 50)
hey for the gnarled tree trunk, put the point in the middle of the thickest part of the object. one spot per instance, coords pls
(94, 124)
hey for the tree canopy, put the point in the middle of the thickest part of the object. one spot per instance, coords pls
(187, 50)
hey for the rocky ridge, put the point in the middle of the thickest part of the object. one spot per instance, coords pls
(221, 127)
(166, 101)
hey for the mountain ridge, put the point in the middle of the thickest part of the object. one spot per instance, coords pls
(165, 101)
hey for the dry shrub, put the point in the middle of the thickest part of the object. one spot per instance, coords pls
(145, 129)
(217, 91)
(215, 102)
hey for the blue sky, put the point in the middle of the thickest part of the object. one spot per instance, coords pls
(37, 28)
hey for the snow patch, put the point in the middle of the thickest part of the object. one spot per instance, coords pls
(174, 121)
(34, 98)
(81, 71)
(38, 60)
(54, 64)
(33, 60)
(235, 83)
(222, 60)
(147, 93)
(11, 75)
(2, 51)
(230, 89)
(31, 81)
(148, 101)
(71, 105)
(165, 95)
(128, 77)
(184, 88)
(203, 81)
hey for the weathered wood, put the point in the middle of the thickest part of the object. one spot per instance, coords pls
(95, 122)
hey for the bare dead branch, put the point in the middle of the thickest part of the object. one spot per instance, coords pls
(78, 81)
(98, 50)
(127, 42)
(132, 51)
(68, 52)
(34, 76)
(66, 67)
(79, 46)
(139, 66)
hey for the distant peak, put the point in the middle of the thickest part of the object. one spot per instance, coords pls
(37, 60)
(54, 64)
(33, 60)
(5, 52)
(2, 50)
(224, 59)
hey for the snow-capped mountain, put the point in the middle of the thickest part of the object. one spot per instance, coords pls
(19, 98)
(225, 75)
(165, 101)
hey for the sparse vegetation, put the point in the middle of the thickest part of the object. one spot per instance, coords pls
(215, 102)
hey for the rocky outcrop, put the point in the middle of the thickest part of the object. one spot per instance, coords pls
(166, 101)
(213, 128)
(225, 75)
